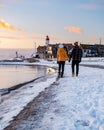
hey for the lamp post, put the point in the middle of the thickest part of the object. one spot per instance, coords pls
(100, 41)
(35, 47)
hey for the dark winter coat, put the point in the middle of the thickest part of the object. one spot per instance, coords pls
(76, 53)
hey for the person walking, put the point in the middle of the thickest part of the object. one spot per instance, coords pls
(76, 56)
(61, 58)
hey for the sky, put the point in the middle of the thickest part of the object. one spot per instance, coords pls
(67, 109)
(26, 23)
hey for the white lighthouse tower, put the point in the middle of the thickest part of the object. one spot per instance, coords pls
(47, 40)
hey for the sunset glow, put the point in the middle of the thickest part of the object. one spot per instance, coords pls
(23, 22)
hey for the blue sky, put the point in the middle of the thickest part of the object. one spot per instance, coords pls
(25, 22)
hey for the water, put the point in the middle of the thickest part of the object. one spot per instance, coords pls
(6, 54)
(11, 75)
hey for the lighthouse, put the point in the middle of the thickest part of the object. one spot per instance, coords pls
(47, 41)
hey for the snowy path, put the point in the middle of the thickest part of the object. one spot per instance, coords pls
(71, 103)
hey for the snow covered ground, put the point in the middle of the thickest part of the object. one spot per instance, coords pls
(80, 100)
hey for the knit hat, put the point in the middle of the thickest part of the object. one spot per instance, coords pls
(61, 46)
(76, 43)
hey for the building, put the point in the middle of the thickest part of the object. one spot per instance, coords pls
(96, 50)
(89, 50)
(50, 51)
(42, 51)
(100, 50)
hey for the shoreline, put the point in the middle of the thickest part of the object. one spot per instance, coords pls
(41, 82)
(35, 110)
(8, 90)
(5, 91)
(17, 86)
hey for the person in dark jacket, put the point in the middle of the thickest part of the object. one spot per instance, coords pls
(76, 56)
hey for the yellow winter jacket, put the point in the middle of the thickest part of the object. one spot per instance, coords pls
(62, 55)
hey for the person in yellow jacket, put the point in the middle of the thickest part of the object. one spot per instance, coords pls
(61, 58)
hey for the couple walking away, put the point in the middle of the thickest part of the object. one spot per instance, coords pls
(75, 55)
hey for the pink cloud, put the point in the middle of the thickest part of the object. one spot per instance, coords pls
(73, 29)
(6, 26)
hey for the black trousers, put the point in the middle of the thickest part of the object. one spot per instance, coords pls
(75, 63)
(61, 67)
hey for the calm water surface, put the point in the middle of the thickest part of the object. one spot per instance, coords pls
(11, 75)
(6, 54)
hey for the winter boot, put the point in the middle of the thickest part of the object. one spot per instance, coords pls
(61, 75)
(76, 75)
(72, 74)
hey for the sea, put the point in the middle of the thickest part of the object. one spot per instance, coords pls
(6, 54)
(11, 75)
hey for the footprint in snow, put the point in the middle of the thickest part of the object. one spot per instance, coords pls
(81, 123)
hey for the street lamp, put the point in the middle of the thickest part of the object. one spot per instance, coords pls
(35, 47)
